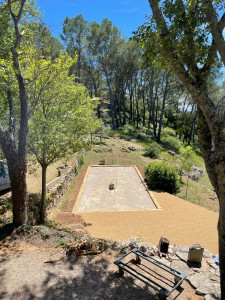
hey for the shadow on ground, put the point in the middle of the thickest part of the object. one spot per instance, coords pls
(82, 278)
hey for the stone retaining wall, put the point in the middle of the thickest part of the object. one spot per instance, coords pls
(54, 194)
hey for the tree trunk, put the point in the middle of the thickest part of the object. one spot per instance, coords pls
(163, 106)
(143, 95)
(17, 173)
(43, 193)
(192, 129)
(15, 153)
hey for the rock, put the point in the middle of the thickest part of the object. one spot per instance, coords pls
(201, 283)
(131, 148)
(182, 255)
(183, 248)
(213, 265)
(214, 271)
(211, 297)
(170, 251)
(143, 248)
(170, 152)
(207, 254)
(134, 140)
(217, 289)
(182, 267)
(2, 209)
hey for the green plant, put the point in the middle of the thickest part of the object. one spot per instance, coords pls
(153, 150)
(161, 176)
(80, 159)
(62, 243)
(171, 143)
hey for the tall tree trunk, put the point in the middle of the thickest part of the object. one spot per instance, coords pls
(43, 193)
(124, 109)
(192, 128)
(143, 95)
(163, 105)
(17, 172)
(15, 153)
(131, 106)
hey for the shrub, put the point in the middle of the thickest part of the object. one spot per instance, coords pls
(80, 159)
(168, 132)
(171, 143)
(153, 150)
(162, 176)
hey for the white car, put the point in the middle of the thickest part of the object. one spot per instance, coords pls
(4, 176)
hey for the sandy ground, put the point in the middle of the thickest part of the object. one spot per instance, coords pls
(180, 221)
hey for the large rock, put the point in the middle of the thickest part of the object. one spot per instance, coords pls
(182, 255)
(211, 297)
(182, 267)
(201, 283)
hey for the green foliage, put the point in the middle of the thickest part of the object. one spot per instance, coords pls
(185, 160)
(171, 143)
(63, 114)
(161, 176)
(153, 151)
(80, 159)
(62, 243)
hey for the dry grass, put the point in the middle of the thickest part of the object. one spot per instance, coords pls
(34, 179)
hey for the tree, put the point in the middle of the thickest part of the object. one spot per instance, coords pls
(179, 35)
(62, 118)
(74, 34)
(13, 138)
(105, 40)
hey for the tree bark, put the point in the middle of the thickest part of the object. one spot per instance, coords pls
(15, 154)
(163, 105)
(43, 194)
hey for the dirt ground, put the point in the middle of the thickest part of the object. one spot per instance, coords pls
(31, 267)
(180, 221)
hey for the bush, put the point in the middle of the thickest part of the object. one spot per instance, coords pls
(168, 132)
(153, 150)
(162, 176)
(80, 159)
(171, 143)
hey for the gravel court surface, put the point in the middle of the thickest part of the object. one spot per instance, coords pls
(180, 221)
(129, 194)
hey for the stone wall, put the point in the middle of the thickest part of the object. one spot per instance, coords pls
(54, 194)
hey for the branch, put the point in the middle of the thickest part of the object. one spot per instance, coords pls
(12, 121)
(196, 86)
(216, 28)
(206, 144)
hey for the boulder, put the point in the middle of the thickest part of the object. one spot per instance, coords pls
(170, 152)
(201, 283)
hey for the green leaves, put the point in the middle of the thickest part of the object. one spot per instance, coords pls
(62, 112)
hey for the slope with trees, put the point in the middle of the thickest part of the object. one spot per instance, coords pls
(186, 36)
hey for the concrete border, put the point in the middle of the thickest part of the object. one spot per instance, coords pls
(81, 190)
(146, 187)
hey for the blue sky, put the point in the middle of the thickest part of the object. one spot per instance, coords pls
(127, 15)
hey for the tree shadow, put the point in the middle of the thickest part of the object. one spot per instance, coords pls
(83, 278)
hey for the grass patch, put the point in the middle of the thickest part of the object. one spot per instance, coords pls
(198, 195)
